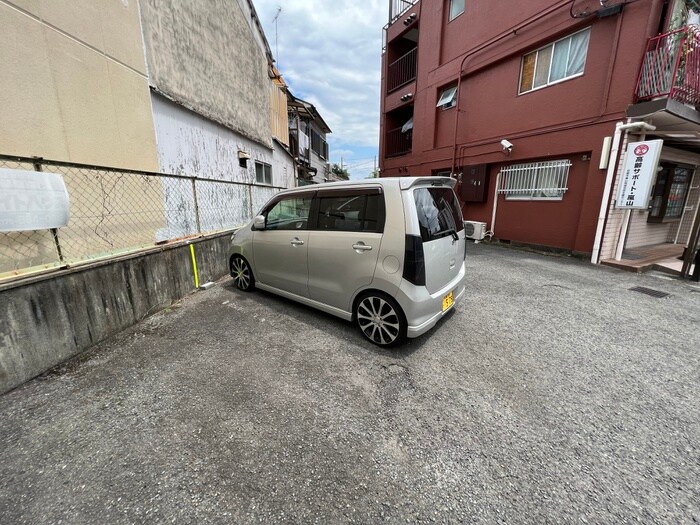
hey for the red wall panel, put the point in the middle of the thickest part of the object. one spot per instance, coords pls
(566, 120)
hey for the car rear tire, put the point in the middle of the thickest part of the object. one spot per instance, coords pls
(242, 274)
(380, 319)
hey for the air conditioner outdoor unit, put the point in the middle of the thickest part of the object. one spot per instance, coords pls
(475, 230)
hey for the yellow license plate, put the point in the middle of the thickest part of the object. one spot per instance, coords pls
(447, 301)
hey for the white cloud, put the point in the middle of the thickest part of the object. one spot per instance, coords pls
(347, 153)
(330, 54)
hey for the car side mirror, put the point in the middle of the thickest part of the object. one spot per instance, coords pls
(259, 222)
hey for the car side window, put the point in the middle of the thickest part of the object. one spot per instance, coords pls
(351, 211)
(291, 213)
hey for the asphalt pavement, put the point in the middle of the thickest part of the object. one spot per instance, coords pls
(552, 394)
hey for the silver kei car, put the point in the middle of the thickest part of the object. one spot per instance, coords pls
(386, 253)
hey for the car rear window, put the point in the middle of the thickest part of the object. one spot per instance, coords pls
(438, 212)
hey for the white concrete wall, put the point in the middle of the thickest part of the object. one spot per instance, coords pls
(207, 56)
(189, 144)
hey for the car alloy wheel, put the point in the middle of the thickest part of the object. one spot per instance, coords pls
(380, 320)
(242, 276)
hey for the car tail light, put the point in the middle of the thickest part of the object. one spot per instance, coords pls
(414, 261)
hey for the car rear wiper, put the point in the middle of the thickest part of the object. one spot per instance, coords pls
(452, 232)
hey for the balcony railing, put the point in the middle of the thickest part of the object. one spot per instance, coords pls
(399, 7)
(671, 67)
(398, 142)
(402, 71)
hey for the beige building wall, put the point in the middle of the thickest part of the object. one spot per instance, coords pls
(73, 84)
(74, 88)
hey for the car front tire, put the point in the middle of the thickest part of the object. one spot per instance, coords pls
(242, 274)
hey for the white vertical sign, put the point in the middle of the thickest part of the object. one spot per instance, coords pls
(638, 174)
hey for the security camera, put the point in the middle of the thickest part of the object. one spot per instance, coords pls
(507, 146)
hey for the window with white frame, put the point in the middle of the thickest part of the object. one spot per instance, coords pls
(448, 98)
(545, 180)
(456, 8)
(263, 173)
(555, 62)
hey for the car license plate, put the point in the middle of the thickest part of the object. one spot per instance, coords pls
(447, 301)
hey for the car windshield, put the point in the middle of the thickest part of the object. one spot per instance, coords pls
(438, 212)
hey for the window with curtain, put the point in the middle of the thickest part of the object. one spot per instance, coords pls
(555, 62)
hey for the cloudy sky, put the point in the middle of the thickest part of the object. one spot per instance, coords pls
(329, 53)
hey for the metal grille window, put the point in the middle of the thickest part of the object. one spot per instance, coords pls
(535, 180)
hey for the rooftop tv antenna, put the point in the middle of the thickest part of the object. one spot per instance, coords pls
(277, 15)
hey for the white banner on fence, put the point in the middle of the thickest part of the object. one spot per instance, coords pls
(32, 200)
(638, 174)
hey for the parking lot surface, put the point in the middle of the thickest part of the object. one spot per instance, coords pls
(553, 393)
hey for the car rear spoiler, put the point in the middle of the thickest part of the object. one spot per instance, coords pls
(409, 182)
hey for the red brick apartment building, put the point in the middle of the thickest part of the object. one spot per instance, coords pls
(531, 106)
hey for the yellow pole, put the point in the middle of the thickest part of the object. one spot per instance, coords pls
(194, 267)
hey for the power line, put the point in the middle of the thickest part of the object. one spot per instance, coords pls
(360, 162)
(359, 167)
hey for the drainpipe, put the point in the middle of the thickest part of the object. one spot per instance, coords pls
(613, 164)
(495, 205)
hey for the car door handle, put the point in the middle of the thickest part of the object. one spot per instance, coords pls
(296, 241)
(361, 247)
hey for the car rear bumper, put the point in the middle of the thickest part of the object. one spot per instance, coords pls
(422, 309)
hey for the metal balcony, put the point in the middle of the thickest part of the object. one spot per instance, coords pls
(398, 142)
(402, 71)
(671, 67)
(399, 7)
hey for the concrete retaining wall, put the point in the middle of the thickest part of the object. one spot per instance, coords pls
(51, 318)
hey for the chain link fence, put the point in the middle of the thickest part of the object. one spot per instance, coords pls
(115, 211)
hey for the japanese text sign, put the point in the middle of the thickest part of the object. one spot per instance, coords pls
(638, 174)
